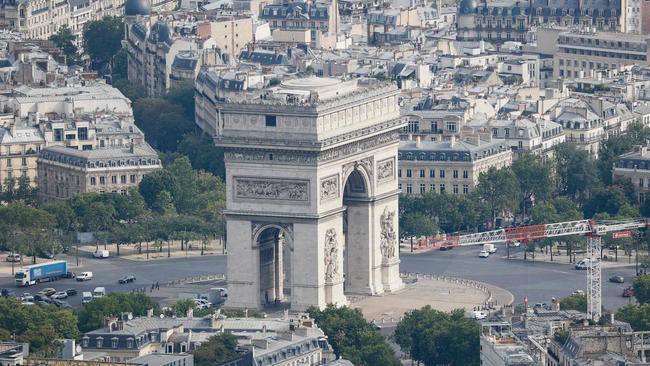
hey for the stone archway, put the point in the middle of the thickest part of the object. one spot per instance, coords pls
(324, 173)
(274, 243)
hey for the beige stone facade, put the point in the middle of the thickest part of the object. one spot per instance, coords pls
(19, 148)
(64, 172)
(635, 167)
(452, 166)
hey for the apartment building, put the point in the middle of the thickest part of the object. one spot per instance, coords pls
(452, 166)
(579, 53)
(502, 21)
(500, 347)
(635, 167)
(319, 17)
(64, 171)
(161, 52)
(41, 19)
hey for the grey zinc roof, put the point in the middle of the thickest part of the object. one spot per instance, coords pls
(21, 135)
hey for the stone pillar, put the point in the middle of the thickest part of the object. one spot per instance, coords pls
(243, 266)
(279, 280)
(358, 251)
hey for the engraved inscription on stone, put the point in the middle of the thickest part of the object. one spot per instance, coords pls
(271, 188)
(386, 169)
(329, 187)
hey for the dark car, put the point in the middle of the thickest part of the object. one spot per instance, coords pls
(617, 279)
(46, 255)
(61, 304)
(71, 292)
(5, 292)
(628, 292)
(69, 274)
(127, 279)
(39, 297)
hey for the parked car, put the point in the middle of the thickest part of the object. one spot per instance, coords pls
(61, 304)
(127, 279)
(101, 253)
(578, 292)
(5, 292)
(48, 291)
(60, 295)
(583, 264)
(484, 254)
(478, 315)
(13, 258)
(46, 255)
(617, 279)
(85, 276)
(69, 274)
(515, 244)
(71, 292)
(86, 297)
(202, 304)
(27, 298)
(628, 292)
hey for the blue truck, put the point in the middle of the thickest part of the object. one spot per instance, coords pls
(36, 273)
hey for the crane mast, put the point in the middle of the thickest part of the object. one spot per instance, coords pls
(592, 229)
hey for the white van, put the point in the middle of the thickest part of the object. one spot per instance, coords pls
(99, 292)
(86, 297)
(583, 264)
(101, 254)
(478, 315)
(85, 276)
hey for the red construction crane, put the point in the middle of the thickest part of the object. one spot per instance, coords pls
(592, 229)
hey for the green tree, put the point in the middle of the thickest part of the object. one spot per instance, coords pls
(92, 315)
(64, 39)
(534, 178)
(148, 113)
(130, 90)
(609, 200)
(102, 40)
(352, 337)
(41, 326)
(637, 315)
(153, 184)
(574, 302)
(608, 153)
(641, 286)
(437, 338)
(217, 350)
(499, 188)
(203, 154)
(576, 171)
(416, 224)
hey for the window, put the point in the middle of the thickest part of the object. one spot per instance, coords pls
(8, 163)
(409, 188)
(113, 179)
(432, 187)
(399, 173)
(93, 181)
(434, 126)
(442, 173)
(24, 161)
(465, 174)
(114, 342)
(123, 179)
(455, 173)
(495, 132)
(640, 182)
(413, 126)
(129, 343)
(422, 188)
(82, 133)
(409, 173)
(432, 173)
(520, 145)
(422, 173)
(507, 132)
(84, 342)
(271, 121)
(102, 180)
(455, 188)
(58, 134)
(399, 186)
(465, 189)
(451, 126)
(99, 342)
(132, 178)
(442, 187)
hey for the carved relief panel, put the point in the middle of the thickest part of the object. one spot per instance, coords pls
(271, 188)
(329, 187)
(386, 170)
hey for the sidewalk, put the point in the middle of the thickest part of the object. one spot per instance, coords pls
(608, 262)
(131, 251)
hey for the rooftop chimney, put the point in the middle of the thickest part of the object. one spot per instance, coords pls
(418, 140)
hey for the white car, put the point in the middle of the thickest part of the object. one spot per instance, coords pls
(484, 254)
(60, 295)
(202, 304)
(515, 244)
(478, 315)
(101, 254)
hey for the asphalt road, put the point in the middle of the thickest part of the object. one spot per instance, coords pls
(539, 281)
(106, 273)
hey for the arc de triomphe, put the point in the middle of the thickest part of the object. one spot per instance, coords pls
(312, 195)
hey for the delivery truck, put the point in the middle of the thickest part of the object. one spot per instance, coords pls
(35, 273)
